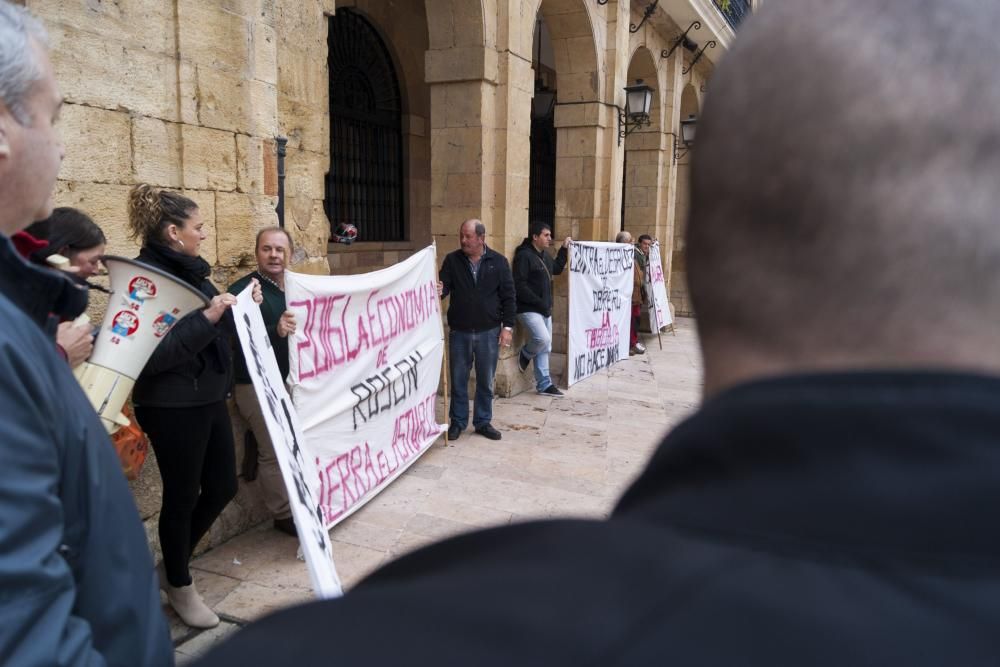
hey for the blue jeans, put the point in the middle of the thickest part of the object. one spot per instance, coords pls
(466, 348)
(538, 346)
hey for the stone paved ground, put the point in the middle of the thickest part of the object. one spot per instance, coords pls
(558, 457)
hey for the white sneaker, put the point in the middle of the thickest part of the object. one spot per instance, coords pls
(190, 607)
(640, 347)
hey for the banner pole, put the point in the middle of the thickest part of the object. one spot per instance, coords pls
(653, 319)
(445, 368)
(569, 307)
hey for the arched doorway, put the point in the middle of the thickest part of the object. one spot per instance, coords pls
(580, 190)
(678, 267)
(365, 183)
(643, 155)
(542, 179)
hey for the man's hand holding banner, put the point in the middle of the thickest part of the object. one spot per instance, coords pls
(298, 467)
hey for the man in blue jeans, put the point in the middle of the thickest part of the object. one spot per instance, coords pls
(481, 319)
(533, 271)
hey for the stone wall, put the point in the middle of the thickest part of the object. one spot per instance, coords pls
(185, 95)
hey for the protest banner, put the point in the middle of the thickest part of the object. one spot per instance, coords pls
(659, 307)
(298, 469)
(364, 368)
(600, 306)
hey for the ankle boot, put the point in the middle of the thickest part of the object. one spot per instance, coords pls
(190, 607)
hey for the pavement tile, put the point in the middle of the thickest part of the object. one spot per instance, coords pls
(473, 515)
(354, 562)
(213, 588)
(250, 601)
(364, 534)
(407, 542)
(249, 554)
(437, 527)
(204, 641)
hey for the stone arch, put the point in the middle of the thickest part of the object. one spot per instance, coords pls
(642, 160)
(460, 23)
(404, 30)
(571, 24)
(576, 38)
(689, 105)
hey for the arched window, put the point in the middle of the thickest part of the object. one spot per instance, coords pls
(365, 182)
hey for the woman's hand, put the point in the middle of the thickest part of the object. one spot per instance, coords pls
(220, 304)
(286, 325)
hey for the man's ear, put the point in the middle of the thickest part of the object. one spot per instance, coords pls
(5, 121)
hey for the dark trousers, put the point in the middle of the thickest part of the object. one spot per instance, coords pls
(633, 337)
(466, 348)
(194, 449)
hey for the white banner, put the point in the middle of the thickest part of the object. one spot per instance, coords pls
(365, 362)
(298, 468)
(600, 306)
(656, 288)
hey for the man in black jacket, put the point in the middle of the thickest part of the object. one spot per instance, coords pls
(833, 501)
(480, 319)
(533, 271)
(273, 250)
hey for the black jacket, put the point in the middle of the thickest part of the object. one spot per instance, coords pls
(76, 578)
(481, 305)
(817, 520)
(533, 271)
(192, 365)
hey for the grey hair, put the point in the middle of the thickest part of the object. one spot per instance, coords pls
(477, 225)
(19, 66)
(623, 237)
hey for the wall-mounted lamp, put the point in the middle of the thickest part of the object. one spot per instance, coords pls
(686, 143)
(697, 57)
(645, 15)
(638, 100)
(683, 40)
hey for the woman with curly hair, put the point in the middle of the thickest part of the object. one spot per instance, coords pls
(180, 396)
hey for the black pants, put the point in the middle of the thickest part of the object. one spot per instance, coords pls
(194, 449)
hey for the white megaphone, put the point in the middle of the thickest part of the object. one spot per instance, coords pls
(145, 304)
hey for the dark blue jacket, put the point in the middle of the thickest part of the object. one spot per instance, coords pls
(76, 578)
(825, 520)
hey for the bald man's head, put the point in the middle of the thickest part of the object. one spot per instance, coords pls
(846, 190)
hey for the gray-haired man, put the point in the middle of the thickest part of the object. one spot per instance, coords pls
(76, 575)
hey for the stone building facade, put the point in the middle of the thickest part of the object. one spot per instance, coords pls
(404, 117)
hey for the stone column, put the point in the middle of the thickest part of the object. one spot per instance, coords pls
(462, 130)
(668, 234)
(643, 182)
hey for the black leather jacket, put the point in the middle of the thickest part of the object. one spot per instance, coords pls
(192, 365)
